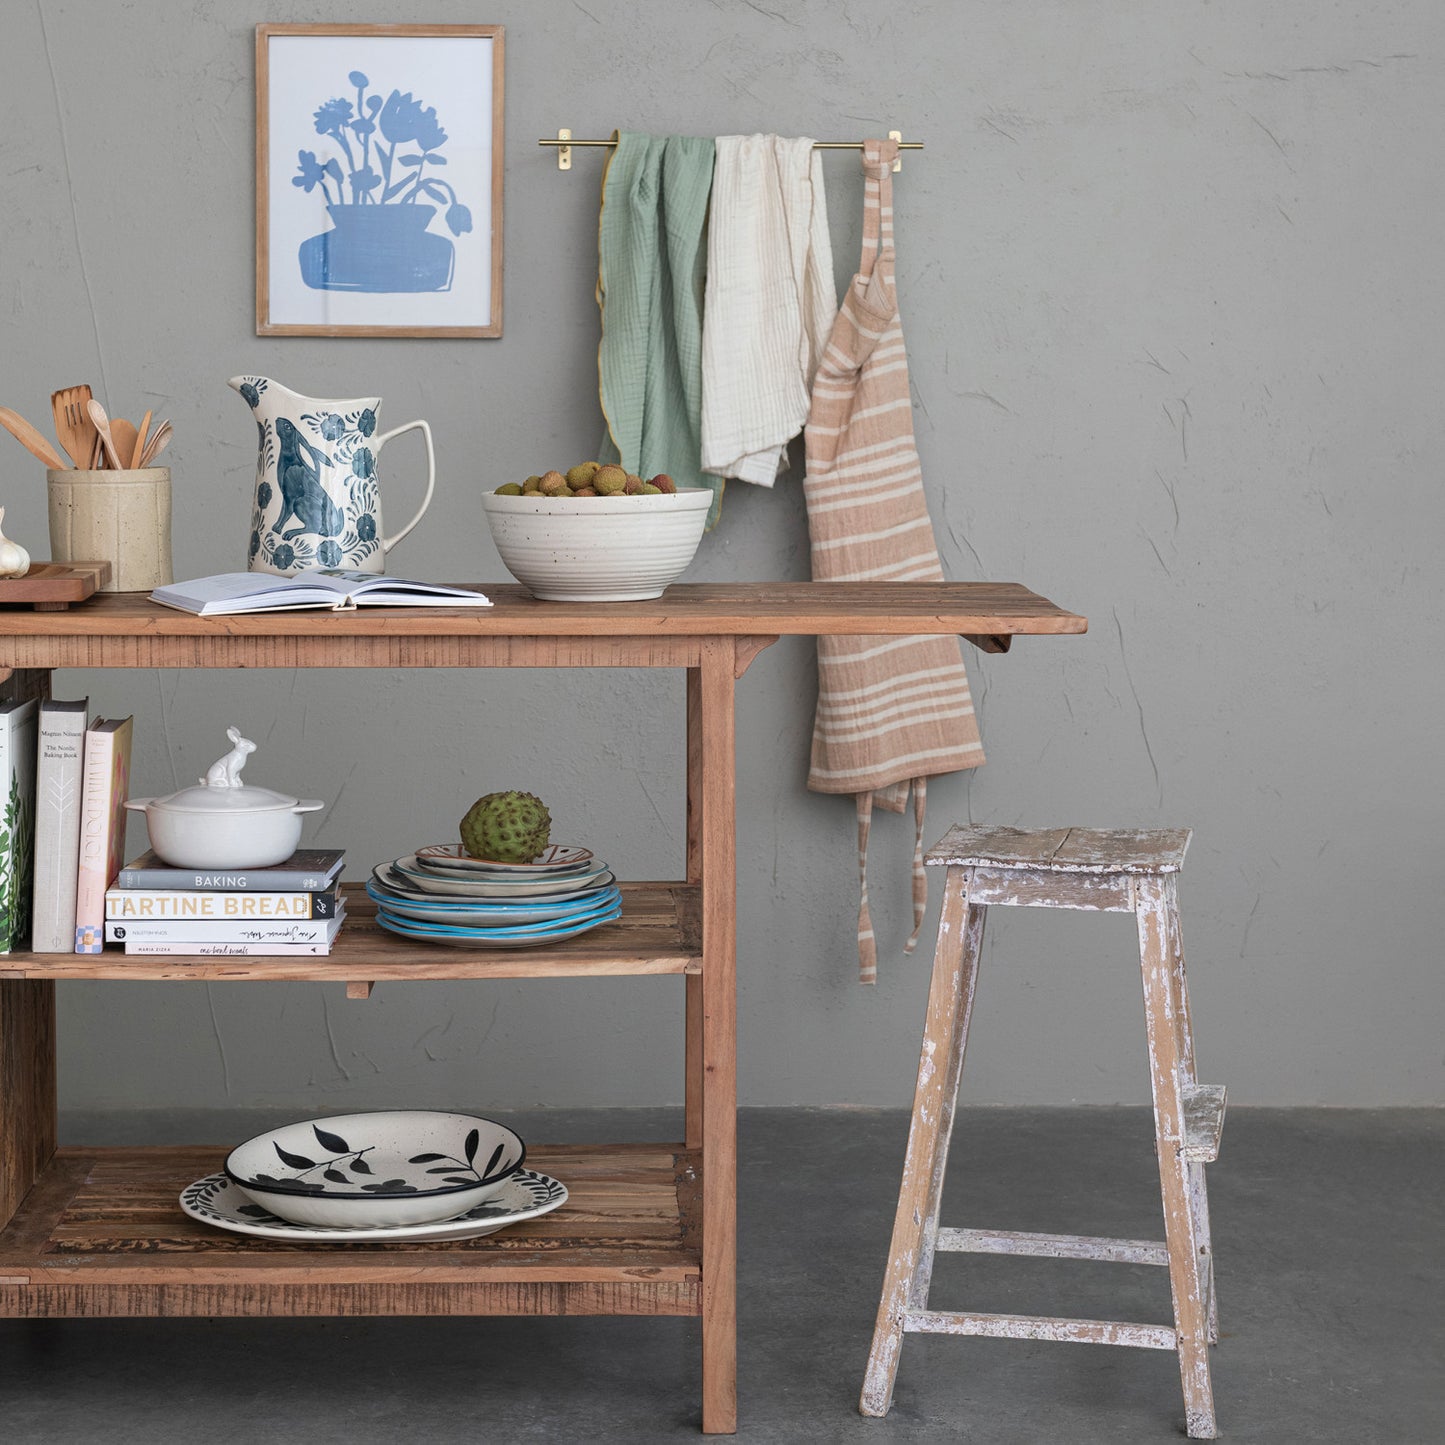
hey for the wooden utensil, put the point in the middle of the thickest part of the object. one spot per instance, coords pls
(33, 441)
(140, 440)
(102, 425)
(160, 440)
(123, 434)
(73, 425)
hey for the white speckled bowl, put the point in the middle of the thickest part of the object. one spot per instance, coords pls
(598, 549)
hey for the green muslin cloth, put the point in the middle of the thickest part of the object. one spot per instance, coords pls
(651, 271)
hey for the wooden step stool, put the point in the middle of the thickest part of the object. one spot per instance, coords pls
(1121, 871)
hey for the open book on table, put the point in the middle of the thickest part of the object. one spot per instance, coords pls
(338, 591)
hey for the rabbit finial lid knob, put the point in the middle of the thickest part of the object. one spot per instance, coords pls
(225, 772)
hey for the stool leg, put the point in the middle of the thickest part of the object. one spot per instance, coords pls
(915, 1226)
(1156, 905)
(1198, 1189)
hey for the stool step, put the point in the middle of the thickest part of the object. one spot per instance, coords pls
(1053, 1246)
(1203, 1121)
(1039, 1327)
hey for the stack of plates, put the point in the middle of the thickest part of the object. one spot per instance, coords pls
(441, 895)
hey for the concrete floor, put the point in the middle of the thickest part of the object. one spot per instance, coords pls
(1331, 1274)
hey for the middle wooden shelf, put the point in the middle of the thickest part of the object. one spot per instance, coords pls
(660, 932)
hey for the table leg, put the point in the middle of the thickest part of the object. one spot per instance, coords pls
(692, 1045)
(719, 1038)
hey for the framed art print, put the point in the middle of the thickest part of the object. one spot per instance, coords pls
(379, 180)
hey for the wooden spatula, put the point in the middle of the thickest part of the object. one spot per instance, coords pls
(73, 424)
(140, 440)
(123, 434)
(32, 440)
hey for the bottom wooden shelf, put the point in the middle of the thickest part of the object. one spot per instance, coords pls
(101, 1234)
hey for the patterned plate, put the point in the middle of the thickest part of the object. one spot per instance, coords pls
(489, 938)
(556, 858)
(215, 1200)
(388, 881)
(457, 886)
(483, 913)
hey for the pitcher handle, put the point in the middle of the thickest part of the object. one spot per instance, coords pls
(431, 475)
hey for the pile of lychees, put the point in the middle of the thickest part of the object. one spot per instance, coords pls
(590, 479)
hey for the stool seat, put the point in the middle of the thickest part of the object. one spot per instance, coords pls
(1115, 870)
(1063, 850)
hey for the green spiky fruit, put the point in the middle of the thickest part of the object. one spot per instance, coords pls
(609, 481)
(648, 490)
(511, 489)
(506, 827)
(581, 475)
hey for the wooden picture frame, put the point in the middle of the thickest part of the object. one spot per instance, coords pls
(359, 230)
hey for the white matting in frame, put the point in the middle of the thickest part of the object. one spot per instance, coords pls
(379, 180)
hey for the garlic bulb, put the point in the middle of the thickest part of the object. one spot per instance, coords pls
(14, 559)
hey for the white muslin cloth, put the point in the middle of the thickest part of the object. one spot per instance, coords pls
(770, 302)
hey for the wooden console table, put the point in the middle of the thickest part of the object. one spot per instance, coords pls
(649, 1229)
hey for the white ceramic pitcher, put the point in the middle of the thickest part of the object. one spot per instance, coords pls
(318, 494)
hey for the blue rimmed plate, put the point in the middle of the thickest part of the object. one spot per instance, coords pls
(528, 937)
(470, 912)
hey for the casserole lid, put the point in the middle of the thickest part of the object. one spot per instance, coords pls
(221, 791)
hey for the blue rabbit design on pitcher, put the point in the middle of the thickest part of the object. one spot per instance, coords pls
(318, 493)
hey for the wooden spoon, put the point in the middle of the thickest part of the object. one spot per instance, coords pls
(73, 424)
(160, 440)
(102, 425)
(32, 440)
(140, 441)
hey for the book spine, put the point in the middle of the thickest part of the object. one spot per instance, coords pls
(17, 822)
(188, 930)
(226, 950)
(102, 824)
(183, 880)
(154, 905)
(57, 828)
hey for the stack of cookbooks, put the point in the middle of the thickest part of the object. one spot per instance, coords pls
(295, 907)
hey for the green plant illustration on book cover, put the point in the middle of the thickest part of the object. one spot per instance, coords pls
(17, 864)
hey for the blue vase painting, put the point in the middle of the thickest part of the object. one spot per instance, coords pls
(381, 192)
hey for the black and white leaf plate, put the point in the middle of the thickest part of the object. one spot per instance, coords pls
(528, 1194)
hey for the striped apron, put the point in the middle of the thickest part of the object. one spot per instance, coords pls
(891, 711)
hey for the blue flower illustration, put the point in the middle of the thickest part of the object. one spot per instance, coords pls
(329, 554)
(402, 119)
(263, 495)
(363, 463)
(255, 543)
(333, 428)
(250, 395)
(366, 422)
(312, 173)
(383, 153)
(332, 116)
(366, 527)
(283, 556)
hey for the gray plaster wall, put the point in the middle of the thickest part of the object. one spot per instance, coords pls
(1171, 280)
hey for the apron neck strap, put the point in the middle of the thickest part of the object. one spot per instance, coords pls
(878, 158)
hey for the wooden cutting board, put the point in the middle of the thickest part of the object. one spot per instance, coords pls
(53, 586)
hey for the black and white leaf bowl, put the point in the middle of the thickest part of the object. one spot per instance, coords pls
(392, 1167)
